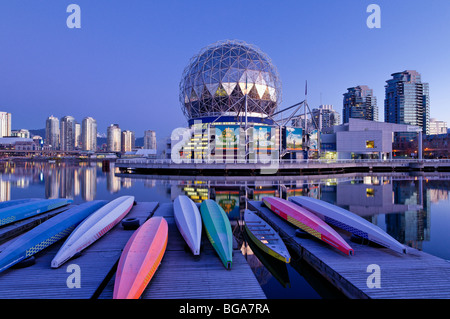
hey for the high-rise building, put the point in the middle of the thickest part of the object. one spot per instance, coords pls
(150, 139)
(89, 134)
(407, 100)
(437, 127)
(127, 141)
(67, 131)
(5, 124)
(52, 132)
(325, 116)
(320, 118)
(78, 141)
(359, 103)
(113, 138)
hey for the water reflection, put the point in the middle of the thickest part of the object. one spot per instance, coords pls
(398, 203)
(401, 204)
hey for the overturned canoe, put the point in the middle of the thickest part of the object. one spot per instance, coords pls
(218, 230)
(307, 221)
(346, 220)
(24, 210)
(92, 228)
(140, 258)
(13, 202)
(189, 222)
(47, 233)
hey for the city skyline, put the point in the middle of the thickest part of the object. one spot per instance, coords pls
(128, 66)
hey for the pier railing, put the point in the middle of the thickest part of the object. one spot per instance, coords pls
(280, 161)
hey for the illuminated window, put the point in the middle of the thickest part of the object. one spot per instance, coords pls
(370, 192)
(370, 144)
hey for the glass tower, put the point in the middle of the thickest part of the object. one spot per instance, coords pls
(89, 134)
(114, 139)
(67, 131)
(407, 100)
(359, 103)
(52, 132)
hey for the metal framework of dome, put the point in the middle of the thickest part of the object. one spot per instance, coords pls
(223, 75)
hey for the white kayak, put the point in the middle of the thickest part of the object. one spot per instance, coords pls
(92, 228)
(189, 222)
(346, 220)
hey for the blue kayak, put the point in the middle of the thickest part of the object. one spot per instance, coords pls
(47, 233)
(24, 210)
(13, 202)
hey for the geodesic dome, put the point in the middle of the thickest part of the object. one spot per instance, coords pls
(217, 79)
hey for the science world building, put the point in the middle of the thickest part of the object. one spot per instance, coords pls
(229, 93)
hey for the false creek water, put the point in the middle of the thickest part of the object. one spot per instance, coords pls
(414, 209)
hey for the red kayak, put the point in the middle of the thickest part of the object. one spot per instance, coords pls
(308, 222)
(140, 258)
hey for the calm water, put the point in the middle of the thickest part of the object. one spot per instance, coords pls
(413, 209)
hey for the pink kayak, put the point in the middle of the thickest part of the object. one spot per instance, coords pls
(308, 222)
(140, 258)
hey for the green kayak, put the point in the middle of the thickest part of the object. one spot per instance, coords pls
(218, 230)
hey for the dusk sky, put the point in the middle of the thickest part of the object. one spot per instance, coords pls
(124, 64)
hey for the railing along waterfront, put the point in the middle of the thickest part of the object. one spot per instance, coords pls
(280, 161)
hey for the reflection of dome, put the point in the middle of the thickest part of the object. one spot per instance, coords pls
(216, 80)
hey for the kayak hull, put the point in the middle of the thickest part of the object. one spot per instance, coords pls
(47, 233)
(189, 222)
(308, 222)
(348, 221)
(218, 230)
(93, 228)
(140, 258)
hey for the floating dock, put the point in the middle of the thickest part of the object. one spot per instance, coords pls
(91, 275)
(236, 167)
(413, 275)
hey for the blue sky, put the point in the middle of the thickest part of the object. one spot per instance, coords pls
(125, 63)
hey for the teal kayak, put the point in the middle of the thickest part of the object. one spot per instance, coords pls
(218, 230)
(47, 233)
(21, 211)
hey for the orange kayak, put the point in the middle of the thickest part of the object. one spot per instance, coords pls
(140, 258)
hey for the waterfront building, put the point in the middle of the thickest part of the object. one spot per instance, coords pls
(325, 116)
(437, 127)
(18, 143)
(5, 124)
(52, 133)
(434, 146)
(127, 141)
(39, 141)
(21, 133)
(78, 141)
(321, 118)
(407, 100)
(228, 93)
(359, 103)
(362, 139)
(150, 139)
(113, 134)
(89, 134)
(67, 131)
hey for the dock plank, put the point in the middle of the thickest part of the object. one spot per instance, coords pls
(40, 281)
(182, 275)
(413, 275)
(9, 231)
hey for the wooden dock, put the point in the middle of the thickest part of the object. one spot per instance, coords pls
(414, 275)
(97, 264)
(180, 275)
